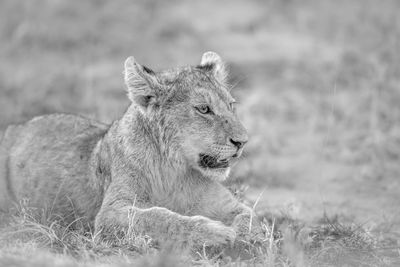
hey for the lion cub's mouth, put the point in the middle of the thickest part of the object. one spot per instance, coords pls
(207, 161)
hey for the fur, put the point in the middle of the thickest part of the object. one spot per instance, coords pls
(143, 170)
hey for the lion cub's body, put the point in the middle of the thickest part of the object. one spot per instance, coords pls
(49, 162)
(145, 170)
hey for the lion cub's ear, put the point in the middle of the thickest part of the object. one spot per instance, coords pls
(213, 62)
(143, 86)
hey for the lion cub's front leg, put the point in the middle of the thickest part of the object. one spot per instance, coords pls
(220, 204)
(165, 226)
(247, 225)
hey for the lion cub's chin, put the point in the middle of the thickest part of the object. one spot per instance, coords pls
(216, 174)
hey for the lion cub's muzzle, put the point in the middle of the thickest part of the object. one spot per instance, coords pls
(221, 156)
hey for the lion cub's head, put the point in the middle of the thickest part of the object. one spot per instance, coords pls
(194, 107)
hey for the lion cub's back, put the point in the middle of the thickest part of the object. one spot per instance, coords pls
(42, 158)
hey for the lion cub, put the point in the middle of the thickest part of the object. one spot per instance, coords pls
(155, 171)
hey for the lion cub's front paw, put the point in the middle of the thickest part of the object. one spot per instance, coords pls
(213, 233)
(248, 229)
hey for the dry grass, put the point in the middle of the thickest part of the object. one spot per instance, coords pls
(26, 240)
(318, 84)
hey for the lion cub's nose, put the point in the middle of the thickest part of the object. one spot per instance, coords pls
(238, 143)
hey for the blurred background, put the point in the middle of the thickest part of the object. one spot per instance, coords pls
(317, 82)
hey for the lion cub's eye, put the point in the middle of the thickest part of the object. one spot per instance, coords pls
(204, 109)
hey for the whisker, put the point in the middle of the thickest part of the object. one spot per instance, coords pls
(237, 82)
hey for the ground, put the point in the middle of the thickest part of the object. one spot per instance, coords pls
(318, 86)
